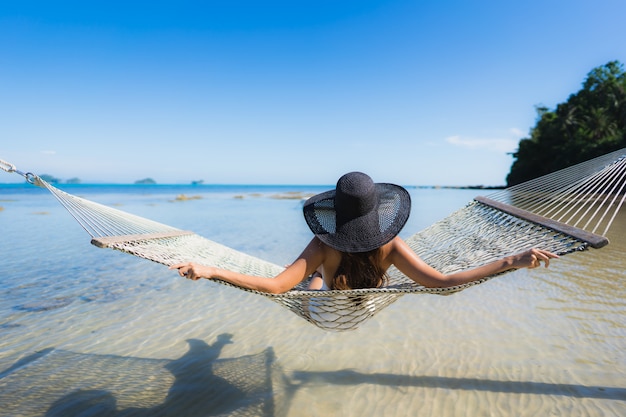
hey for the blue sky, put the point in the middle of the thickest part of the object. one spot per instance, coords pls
(289, 92)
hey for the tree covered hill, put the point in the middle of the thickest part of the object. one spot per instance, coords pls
(592, 122)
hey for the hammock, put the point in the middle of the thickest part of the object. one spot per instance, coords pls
(563, 212)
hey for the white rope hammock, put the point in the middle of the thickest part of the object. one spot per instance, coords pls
(560, 212)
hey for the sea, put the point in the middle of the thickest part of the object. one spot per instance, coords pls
(86, 331)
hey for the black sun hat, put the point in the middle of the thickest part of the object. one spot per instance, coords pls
(359, 215)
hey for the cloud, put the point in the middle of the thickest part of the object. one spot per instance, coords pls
(502, 144)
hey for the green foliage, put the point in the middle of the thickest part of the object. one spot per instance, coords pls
(590, 123)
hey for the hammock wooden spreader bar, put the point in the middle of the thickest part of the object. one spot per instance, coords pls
(109, 241)
(595, 241)
(559, 212)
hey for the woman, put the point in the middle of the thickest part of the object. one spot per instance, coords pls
(356, 228)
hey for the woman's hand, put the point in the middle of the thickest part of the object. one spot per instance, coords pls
(532, 258)
(195, 271)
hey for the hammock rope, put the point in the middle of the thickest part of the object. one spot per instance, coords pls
(546, 213)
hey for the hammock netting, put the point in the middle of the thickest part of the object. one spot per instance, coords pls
(563, 212)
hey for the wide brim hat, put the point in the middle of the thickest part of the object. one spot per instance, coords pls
(358, 215)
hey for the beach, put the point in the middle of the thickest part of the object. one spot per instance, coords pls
(101, 332)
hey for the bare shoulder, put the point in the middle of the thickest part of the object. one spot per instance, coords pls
(318, 253)
(394, 245)
(392, 250)
(331, 256)
(316, 246)
(397, 250)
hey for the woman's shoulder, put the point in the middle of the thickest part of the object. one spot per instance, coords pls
(393, 249)
(329, 252)
(394, 244)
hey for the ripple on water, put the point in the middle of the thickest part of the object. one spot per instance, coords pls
(44, 305)
(9, 326)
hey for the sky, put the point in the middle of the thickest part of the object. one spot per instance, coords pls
(289, 92)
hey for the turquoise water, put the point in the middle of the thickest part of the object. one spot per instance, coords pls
(100, 332)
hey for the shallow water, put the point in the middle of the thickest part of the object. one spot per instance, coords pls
(103, 333)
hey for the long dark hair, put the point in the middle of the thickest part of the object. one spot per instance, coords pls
(360, 270)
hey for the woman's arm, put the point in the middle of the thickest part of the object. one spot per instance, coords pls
(415, 268)
(305, 265)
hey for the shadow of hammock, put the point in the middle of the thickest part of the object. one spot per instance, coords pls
(57, 382)
(349, 377)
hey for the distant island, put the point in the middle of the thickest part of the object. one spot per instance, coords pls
(51, 179)
(149, 181)
(145, 181)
